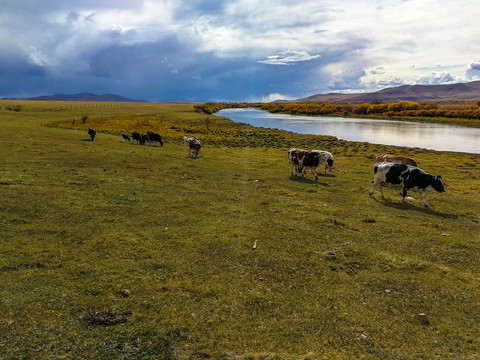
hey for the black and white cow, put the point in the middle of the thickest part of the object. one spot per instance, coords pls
(92, 133)
(194, 146)
(302, 160)
(326, 159)
(410, 177)
(154, 137)
(137, 137)
(125, 137)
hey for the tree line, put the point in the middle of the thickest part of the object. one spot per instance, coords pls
(411, 109)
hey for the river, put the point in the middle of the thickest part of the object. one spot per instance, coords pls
(386, 132)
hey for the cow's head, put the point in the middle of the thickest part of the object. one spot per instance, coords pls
(437, 184)
(329, 166)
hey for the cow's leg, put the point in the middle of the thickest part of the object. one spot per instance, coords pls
(372, 188)
(404, 194)
(292, 168)
(380, 187)
(422, 194)
(314, 170)
(304, 170)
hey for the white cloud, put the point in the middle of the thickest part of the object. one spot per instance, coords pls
(435, 79)
(273, 97)
(378, 71)
(38, 58)
(289, 57)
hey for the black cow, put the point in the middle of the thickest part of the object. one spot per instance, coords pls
(92, 133)
(145, 139)
(154, 137)
(410, 177)
(137, 137)
(125, 137)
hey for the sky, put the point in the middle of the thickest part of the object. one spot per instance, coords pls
(234, 50)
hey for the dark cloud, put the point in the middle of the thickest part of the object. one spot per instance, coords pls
(348, 79)
(473, 73)
(210, 7)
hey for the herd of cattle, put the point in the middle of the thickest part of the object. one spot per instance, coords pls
(142, 139)
(194, 144)
(388, 169)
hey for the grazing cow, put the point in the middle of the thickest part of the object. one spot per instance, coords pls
(137, 137)
(301, 160)
(92, 133)
(145, 139)
(154, 137)
(410, 177)
(326, 159)
(125, 137)
(395, 159)
(194, 146)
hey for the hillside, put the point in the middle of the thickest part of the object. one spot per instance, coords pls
(85, 97)
(459, 91)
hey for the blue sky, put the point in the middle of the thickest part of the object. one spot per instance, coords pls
(234, 50)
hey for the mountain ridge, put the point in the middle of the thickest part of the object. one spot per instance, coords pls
(452, 92)
(85, 96)
(457, 91)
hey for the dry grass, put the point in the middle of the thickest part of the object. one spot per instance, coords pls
(82, 220)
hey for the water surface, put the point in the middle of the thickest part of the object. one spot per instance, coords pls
(386, 132)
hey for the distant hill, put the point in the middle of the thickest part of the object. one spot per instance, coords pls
(459, 91)
(106, 98)
(85, 97)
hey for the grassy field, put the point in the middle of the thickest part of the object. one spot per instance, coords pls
(336, 274)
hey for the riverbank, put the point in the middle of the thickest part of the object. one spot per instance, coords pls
(460, 114)
(434, 136)
(457, 113)
(335, 274)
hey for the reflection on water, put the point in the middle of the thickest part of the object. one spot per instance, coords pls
(400, 133)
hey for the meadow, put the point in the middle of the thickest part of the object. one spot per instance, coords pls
(336, 274)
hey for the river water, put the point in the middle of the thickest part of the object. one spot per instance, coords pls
(386, 132)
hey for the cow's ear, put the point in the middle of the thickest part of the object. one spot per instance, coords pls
(439, 177)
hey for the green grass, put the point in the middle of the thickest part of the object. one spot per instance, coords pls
(83, 220)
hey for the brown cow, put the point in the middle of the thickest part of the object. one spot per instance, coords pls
(395, 159)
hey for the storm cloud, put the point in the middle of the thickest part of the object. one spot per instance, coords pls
(235, 50)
